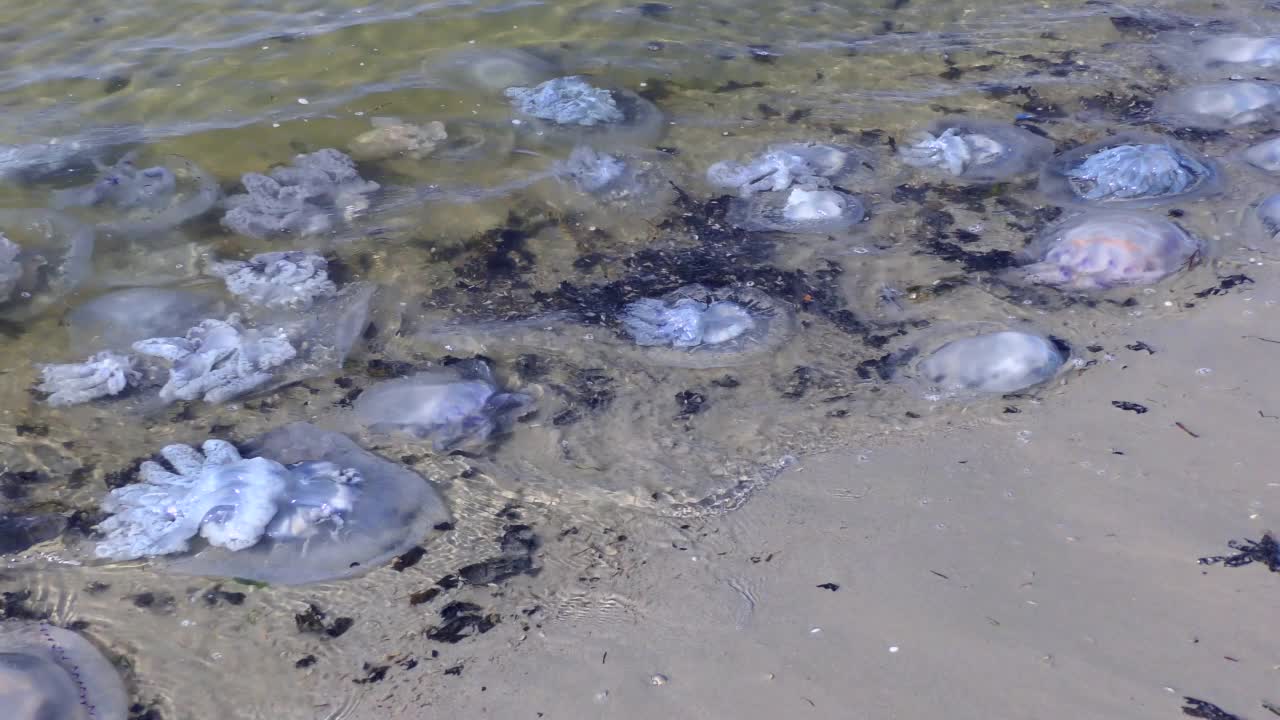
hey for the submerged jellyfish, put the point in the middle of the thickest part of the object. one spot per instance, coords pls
(998, 362)
(781, 166)
(1268, 216)
(304, 198)
(978, 150)
(592, 171)
(1110, 249)
(102, 375)
(145, 199)
(43, 256)
(292, 279)
(118, 319)
(1131, 169)
(790, 188)
(1238, 54)
(218, 360)
(799, 210)
(621, 182)
(308, 505)
(457, 407)
(48, 673)
(1265, 156)
(569, 109)
(393, 137)
(700, 327)
(1215, 106)
(493, 69)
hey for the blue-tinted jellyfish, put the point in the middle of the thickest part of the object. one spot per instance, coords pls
(492, 69)
(472, 142)
(218, 360)
(978, 150)
(457, 407)
(307, 505)
(1129, 169)
(798, 210)
(571, 111)
(293, 279)
(1265, 156)
(998, 362)
(1215, 106)
(1102, 250)
(102, 375)
(1238, 54)
(811, 165)
(145, 200)
(698, 327)
(393, 137)
(626, 183)
(305, 198)
(118, 319)
(43, 256)
(48, 673)
(1267, 214)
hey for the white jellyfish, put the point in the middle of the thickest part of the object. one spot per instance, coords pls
(1224, 56)
(457, 407)
(1265, 155)
(1129, 169)
(799, 210)
(1267, 215)
(308, 505)
(144, 200)
(118, 319)
(48, 673)
(1102, 250)
(218, 360)
(1215, 106)
(997, 362)
(291, 279)
(698, 327)
(780, 167)
(305, 198)
(978, 150)
(569, 110)
(492, 69)
(102, 375)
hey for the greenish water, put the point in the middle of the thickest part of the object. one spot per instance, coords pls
(494, 257)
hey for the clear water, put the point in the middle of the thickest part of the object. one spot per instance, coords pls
(494, 258)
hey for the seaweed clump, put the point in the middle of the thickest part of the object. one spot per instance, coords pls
(1264, 552)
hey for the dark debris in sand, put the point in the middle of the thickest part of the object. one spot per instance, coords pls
(1206, 710)
(459, 620)
(312, 620)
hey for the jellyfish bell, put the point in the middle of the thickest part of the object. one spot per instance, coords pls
(1002, 361)
(49, 673)
(117, 319)
(975, 150)
(781, 166)
(1130, 169)
(1264, 156)
(44, 255)
(1101, 250)
(1220, 105)
(799, 210)
(569, 111)
(128, 200)
(491, 70)
(1220, 57)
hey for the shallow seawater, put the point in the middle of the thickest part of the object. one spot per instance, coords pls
(478, 248)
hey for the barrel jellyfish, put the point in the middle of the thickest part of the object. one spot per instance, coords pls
(569, 110)
(218, 360)
(492, 69)
(102, 375)
(1109, 249)
(699, 327)
(998, 362)
(43, 256)
(1265, 156)
(1215, 106)
(118, 319)
(48, 673)
(144, 200)
(978, 150)
(393, 137)
(305, 198)
(791, 188)
(292, 279)
(1129, 169)
(457, 407)
(306, 505)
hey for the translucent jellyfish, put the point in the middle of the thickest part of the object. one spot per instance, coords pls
(1110, 249)
(798, 210)
(592, 171)
(1238, 54)
(998, 362)
(1129, 169)
(307, 505)
(1267, 214)
(1265, 156)
(698, 327)
(632, 182)
(118, 319)
(43, 256)
(145, 200)
(218, 360)
(457, 407)
(472, 142)
(811, 165)
(1215, 106)
(978, 150)
(393, 137)
(292, 279)
(48, 673)
(305, 198)
(102, 375)
(493, 69)
(569, 110)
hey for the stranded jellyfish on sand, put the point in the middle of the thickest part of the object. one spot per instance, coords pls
(698, 327)
(304, 198)
(571, 110)
(1101, 250)
(48, 673)
(1215, 106)
(792, 188)
(978, 150)
(308, 505)
(145, 200)
(1129, 169)
(998, 362)
(43, 256)
(457, 407)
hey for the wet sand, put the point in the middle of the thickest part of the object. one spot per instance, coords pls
(1038, 564)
